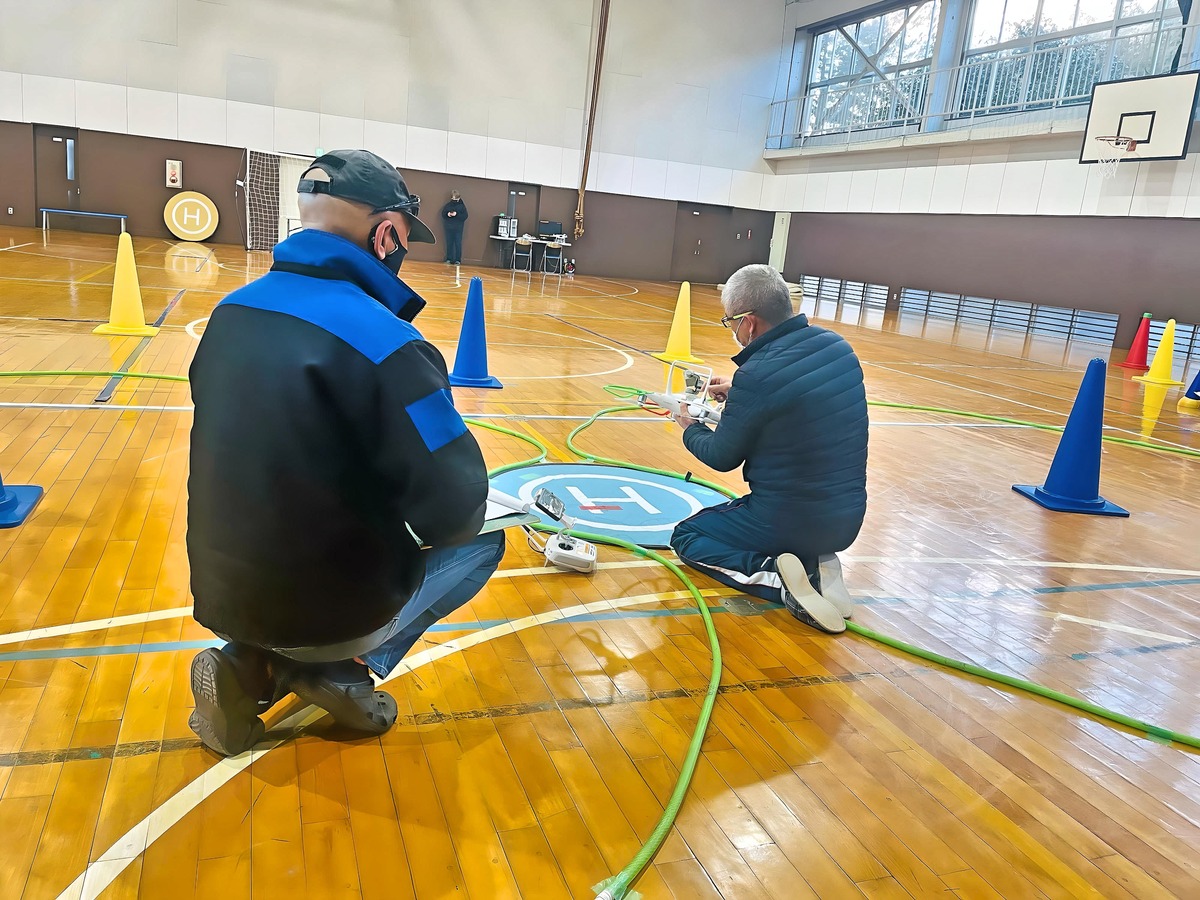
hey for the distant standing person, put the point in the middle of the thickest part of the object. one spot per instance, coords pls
(454, 217)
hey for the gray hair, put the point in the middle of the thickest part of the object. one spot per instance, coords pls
(760, 290)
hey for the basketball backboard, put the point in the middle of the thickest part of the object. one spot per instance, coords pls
(1155, 112)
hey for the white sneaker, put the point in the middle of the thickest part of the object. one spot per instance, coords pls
(833, 587)
(803, 601)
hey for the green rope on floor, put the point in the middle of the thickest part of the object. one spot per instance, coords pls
(500, 429)
(1085, 706)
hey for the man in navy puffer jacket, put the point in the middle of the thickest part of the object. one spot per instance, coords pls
(796, 416)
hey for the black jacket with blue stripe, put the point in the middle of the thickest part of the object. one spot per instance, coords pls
(796, 416)
(324, 429)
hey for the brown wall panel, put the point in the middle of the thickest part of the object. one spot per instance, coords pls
(484, 198)
(624, 237)
(1119, 265)
(123, 173)
(17, 175)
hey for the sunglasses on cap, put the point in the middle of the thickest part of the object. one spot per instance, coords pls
(412, 206)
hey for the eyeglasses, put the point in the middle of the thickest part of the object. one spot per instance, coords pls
(728, 321)
(412, 206)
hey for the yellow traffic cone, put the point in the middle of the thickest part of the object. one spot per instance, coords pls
(1152, 404)
(679, 341)
(1160, 366)
(1190, 401)
(126, 315)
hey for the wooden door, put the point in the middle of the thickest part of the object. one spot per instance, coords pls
(700, 233)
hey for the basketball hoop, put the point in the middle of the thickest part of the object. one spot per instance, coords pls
(1110, 157)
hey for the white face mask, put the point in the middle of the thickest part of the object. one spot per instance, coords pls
(738, 327)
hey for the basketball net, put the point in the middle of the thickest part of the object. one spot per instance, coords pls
(1114, 150)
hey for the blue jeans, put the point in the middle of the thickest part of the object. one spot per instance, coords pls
(453, 575)
(736, 544)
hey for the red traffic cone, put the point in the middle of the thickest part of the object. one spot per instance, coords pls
(1136, 357)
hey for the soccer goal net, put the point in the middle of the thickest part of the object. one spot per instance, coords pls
(271, 210)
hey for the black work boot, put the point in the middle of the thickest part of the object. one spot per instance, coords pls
(227, 688)
(345, 691)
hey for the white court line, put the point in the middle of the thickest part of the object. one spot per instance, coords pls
(16, 247)
(1111, 626)
(1135, 435)
(190, 328)
(179, 612)
(1021, 563)
(101, 873)
(35, 634)
(116, 859)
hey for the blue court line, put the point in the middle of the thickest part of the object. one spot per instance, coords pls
(761, 606)
(1134, 651)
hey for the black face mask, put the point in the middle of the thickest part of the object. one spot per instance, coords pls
(395, 259)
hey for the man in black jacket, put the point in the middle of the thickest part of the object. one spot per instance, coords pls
(796, 416)
(325, 438)
(454, 219)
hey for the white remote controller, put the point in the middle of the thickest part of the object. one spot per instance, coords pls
(567, 552)
(691, 402)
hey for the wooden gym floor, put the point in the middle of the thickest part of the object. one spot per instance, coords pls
(534, 756)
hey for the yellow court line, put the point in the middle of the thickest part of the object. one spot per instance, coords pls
(104, 268)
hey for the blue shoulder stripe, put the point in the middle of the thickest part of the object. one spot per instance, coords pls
(437, 421)
(339, 308)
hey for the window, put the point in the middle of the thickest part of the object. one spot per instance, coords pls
(871, 73)
(1031, 54)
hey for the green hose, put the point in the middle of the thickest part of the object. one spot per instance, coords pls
(591, 457)
(1030, 686)
(617, 886)
(626, 391)
(1112, 439)
(500, 429)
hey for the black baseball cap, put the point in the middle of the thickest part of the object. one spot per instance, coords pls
(365, 177)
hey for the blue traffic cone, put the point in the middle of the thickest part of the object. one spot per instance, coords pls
(17, 502)
(1073, 484)
(1190, 401)
(470, 359)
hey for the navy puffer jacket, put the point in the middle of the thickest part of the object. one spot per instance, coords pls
(796, 415)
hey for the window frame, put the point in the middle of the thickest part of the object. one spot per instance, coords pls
(1112, 27)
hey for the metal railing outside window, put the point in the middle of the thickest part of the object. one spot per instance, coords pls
(1053, 72)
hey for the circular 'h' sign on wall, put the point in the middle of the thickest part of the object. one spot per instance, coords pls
(191, 216)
